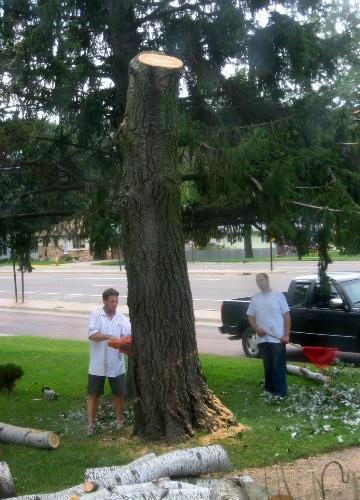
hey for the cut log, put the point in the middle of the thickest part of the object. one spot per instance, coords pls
(72, 492)
(235, 489)
(7, 488)
(31, 437)
(192, 461)
(154, 493)
(155, 486)
(93, 476)
(75, 492)
(305, 372)
(199, 494)
(105, 494)
(178, 485)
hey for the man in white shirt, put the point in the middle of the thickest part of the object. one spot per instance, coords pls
(106, 362)
(268, 315)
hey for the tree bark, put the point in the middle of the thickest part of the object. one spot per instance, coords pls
(152, 494)
(173, 398)
(96, 474)
(31, 437)
(148, 491)
(7, 488)
(248, 250)
(70, 493)
(235, 489)
(15, 282)
(193, 461)
(83, 489)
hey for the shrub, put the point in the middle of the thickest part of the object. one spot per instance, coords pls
(9, 373)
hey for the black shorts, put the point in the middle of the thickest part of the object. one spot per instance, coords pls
(96, 385)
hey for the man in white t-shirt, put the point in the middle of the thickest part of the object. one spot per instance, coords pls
(268, 315)
(106, 362)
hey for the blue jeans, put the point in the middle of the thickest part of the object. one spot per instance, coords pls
(274, 360)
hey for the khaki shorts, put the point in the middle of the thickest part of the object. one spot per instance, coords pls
(96, 385)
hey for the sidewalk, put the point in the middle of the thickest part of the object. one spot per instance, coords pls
(205, 317)
(239, 269)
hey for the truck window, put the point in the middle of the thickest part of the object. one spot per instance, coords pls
(320, 300)
(300, 292)
(352, 288)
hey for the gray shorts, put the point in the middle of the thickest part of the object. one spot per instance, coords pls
(96, 385)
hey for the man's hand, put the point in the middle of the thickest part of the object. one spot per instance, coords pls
(285, 338)
(111, 337)
(260, 332)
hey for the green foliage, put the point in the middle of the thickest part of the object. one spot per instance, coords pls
(63, 82)
(9, 374)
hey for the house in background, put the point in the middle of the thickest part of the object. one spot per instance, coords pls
(63, 245)
(222, 249)
(4, 252)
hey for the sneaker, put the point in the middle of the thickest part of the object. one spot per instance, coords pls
(90, 430)
(119, 425)
(279, 397)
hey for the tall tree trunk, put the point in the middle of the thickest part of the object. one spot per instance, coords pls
(173, 398)
(22, 287)
(15, 282)
(247, 242)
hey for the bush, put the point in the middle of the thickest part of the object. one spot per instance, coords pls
(9, 373)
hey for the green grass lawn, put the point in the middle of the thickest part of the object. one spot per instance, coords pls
(312, 420)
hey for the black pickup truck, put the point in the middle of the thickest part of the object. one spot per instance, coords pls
(332, 321)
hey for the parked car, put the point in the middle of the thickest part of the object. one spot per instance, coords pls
(332, 321)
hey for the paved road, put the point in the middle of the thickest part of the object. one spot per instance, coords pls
(64, 326)
(210, 282)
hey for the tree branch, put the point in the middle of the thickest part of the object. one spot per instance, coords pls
(328, 209)
(205, 217)
(154, 15)
(192, 177)
(256, 182)
(38, 215)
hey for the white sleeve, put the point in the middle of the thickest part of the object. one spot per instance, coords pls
(284, 308)
(94, 323)
(251, 309)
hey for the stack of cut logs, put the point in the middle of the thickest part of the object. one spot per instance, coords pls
(148, 478)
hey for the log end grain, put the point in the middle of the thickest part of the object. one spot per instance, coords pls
(54, 440)
(89, 487)
(160, 60)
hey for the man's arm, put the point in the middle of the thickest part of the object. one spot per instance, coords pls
(259, 331)
(98, 337)
(287, 325)
(94, 327)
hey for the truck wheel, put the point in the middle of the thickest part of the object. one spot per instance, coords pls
(249, 344)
